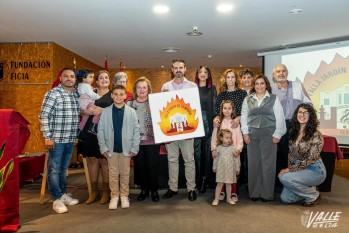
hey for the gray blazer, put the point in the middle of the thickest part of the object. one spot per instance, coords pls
(130, 131)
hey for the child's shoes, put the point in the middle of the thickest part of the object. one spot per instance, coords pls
(125, 202)
(221, 196)
(215, 202)
(231, 202)
(113, 203)
(234, 197)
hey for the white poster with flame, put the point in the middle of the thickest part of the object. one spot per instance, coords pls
(176, 115)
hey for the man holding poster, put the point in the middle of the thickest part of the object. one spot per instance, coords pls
(186, 146)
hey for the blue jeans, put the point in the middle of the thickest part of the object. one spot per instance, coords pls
(58, 162)
(301, 185)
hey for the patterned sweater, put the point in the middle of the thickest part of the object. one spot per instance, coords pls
(305, 153)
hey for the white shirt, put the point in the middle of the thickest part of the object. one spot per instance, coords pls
(87, 95)
(280, 125)
(172, 85)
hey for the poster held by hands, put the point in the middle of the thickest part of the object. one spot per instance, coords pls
(176, 115)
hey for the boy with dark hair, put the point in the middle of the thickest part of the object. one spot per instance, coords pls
(118, 138)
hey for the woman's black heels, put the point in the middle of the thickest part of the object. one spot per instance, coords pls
(203, 186)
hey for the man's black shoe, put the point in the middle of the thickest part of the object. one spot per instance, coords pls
(192, 195)
(169, 194)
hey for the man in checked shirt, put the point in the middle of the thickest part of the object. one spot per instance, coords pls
(59, 120)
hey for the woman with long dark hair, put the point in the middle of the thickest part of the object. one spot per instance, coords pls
(203, 158)
(305, 168)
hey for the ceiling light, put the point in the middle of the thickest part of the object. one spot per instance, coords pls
(161, 9)
(295, 11)
(224, 8)
(170, 50)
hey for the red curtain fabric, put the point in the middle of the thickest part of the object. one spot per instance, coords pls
(331, 145)
(14, 133)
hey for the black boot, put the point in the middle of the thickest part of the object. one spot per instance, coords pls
(203, 187)
(144, 193)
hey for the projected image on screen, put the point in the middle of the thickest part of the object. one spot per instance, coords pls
(325, 77)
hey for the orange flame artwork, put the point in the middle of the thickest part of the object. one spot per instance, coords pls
(178, 118)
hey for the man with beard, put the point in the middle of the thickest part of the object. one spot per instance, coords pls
(290, 94)
(179, 82)
(59, 120)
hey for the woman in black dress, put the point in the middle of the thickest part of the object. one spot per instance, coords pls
(203, 158)
(88, 145)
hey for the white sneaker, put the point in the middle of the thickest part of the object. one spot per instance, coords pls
(231, 202)
(215, 202)
(68, 200)
(234, 197)
(221, 196)
(59, 207)
(113, 204)
(125, 202)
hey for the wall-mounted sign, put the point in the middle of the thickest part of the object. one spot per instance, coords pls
(12, 71)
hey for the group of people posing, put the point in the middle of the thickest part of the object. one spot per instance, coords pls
(256, 133)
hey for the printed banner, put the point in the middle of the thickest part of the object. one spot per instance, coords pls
(176, 115)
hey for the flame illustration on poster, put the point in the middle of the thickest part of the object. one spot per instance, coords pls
(176, 115)
(178, 118)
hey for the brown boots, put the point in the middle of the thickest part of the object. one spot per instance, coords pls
(94, 194)
(106, 193)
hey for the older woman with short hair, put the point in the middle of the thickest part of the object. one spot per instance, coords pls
(121, 78)
(246, 77)
(147, 159)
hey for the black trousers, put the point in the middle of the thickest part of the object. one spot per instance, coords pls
(243, 177)
(146, 170)
(202, 153)
(282, 154)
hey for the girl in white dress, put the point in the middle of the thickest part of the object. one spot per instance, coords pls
(225, 165)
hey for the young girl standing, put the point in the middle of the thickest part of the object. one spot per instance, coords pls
(226, 165)
(226, 116)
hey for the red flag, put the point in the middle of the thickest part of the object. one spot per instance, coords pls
(57, 81)
(106, 63)
(121, 68)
